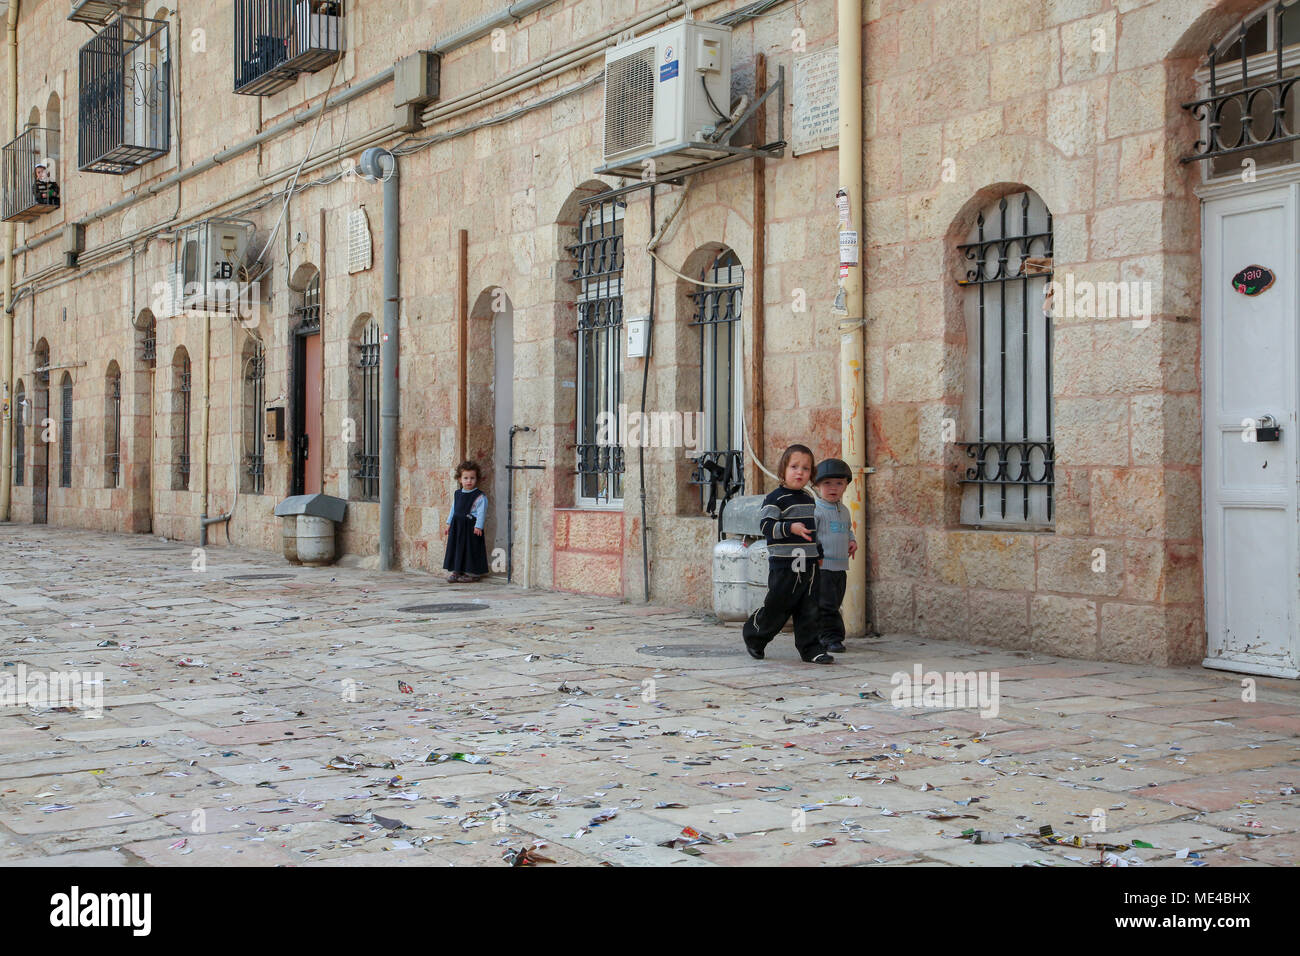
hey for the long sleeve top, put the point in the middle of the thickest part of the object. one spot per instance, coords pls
(478, 509)
(781, 509)
(834, 532)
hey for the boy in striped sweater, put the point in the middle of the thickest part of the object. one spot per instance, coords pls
(790, 525)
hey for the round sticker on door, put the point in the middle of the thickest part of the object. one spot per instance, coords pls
(1253, 280)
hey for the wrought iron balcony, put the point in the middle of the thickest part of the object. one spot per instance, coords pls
(30, 189)
(98, 12)
(125, 88)
(275, 40)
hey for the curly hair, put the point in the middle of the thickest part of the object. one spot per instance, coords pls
(469, 465)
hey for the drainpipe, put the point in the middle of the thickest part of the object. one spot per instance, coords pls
(853, 413)
(11, 236)
(378, 164)
(205, 433)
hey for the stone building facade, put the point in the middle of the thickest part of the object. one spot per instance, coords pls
(1069, 110)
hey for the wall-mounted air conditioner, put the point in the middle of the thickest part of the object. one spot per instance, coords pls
(665, 91)
(209, 272)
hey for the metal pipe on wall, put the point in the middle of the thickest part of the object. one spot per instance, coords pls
(11, 235)
(853, 414)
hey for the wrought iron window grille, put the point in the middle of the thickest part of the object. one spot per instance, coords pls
(149, 345)
(255, 383)
(183, 459)
(1002, 461)
(20, 437)
(124, 115)
(30, 187)
(276, 40)
(367, 454)
(599, 274)
(65, 437)
(1250, 102)
(113, 452)
(718, 310)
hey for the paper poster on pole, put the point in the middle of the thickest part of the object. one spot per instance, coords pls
(816, 101)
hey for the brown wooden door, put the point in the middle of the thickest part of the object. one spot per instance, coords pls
(313, 425)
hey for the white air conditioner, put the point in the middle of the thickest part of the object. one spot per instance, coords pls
(664, 92)
(208, 274)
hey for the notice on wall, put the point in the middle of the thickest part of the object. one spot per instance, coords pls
(816, 101)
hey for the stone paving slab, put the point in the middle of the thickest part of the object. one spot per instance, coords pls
(1172, 757)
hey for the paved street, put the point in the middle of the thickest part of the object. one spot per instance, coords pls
(611, 733)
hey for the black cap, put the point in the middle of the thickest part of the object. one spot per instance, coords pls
(832, 468)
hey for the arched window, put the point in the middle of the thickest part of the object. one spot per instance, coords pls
(1007, 413)
(254, 383)
(20, 434)
(717, 314)
(181, 420)
(113, 427)
(599, 277)
(53, 135)
(364, 410)
(1247, 99)
(65, 433)
(147, 335)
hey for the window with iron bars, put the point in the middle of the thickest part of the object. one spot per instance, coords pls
(124, 113)
(1010, 478)
(113, 432)
(719, 466)
(20, 437)
(65, 435)
(367, 418)
(1247, 102)
(599, 275)
(183, 401)
(149, 344)
(254, 405)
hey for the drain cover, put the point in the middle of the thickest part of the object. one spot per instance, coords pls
(257, 577)
(441, 608)
(688, 650)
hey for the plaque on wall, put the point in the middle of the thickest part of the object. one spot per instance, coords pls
(1253, 280)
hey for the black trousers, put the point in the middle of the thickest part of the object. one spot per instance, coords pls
(789, 594)
(830, 595)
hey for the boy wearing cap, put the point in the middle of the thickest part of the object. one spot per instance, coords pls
(835, 532)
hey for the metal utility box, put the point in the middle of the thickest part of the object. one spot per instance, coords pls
(740, 562)
(309, 523)
(416, 79)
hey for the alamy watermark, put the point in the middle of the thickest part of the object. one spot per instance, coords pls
(1084, 299)
(949, 689)
(632, 429)
(81, 690)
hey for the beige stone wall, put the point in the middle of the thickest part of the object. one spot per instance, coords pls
(1011, 91)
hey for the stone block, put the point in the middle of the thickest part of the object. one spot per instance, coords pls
(941, 613)
(1134, 633)
(1063, 625)
(999, 618)
(1000, 560)
(1128, 501)
(1080, 565)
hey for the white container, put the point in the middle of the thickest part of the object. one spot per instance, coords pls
(289, 538)
(315, 540)
(731, 580)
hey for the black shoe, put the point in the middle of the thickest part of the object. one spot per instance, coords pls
(822, 658)
(836, 648)
(754, 652)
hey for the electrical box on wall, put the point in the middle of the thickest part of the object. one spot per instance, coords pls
(638, 329)
(275, 424)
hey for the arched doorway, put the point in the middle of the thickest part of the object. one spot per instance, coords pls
(44, 434)
(1248, 177)
(308, 382)
(491, 403)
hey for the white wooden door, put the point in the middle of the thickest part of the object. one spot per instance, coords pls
(1249, 359)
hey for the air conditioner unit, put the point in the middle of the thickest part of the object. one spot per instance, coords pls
(208, 274)
(664, 93)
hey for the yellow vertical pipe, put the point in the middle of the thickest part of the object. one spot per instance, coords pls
(11, 237)
(853, 413)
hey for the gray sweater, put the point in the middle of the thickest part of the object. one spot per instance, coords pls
(834, 532)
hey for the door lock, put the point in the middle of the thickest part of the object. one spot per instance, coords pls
(1267, 429)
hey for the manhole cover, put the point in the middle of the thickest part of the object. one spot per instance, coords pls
(688, 650)
(257, 577)
(441, 608)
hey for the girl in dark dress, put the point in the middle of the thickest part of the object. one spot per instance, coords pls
(466, 553)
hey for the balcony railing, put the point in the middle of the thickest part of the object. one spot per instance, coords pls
(275, 40)
(125, 87)
(30, 189)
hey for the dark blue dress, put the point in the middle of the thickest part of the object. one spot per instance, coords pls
(466, 551)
